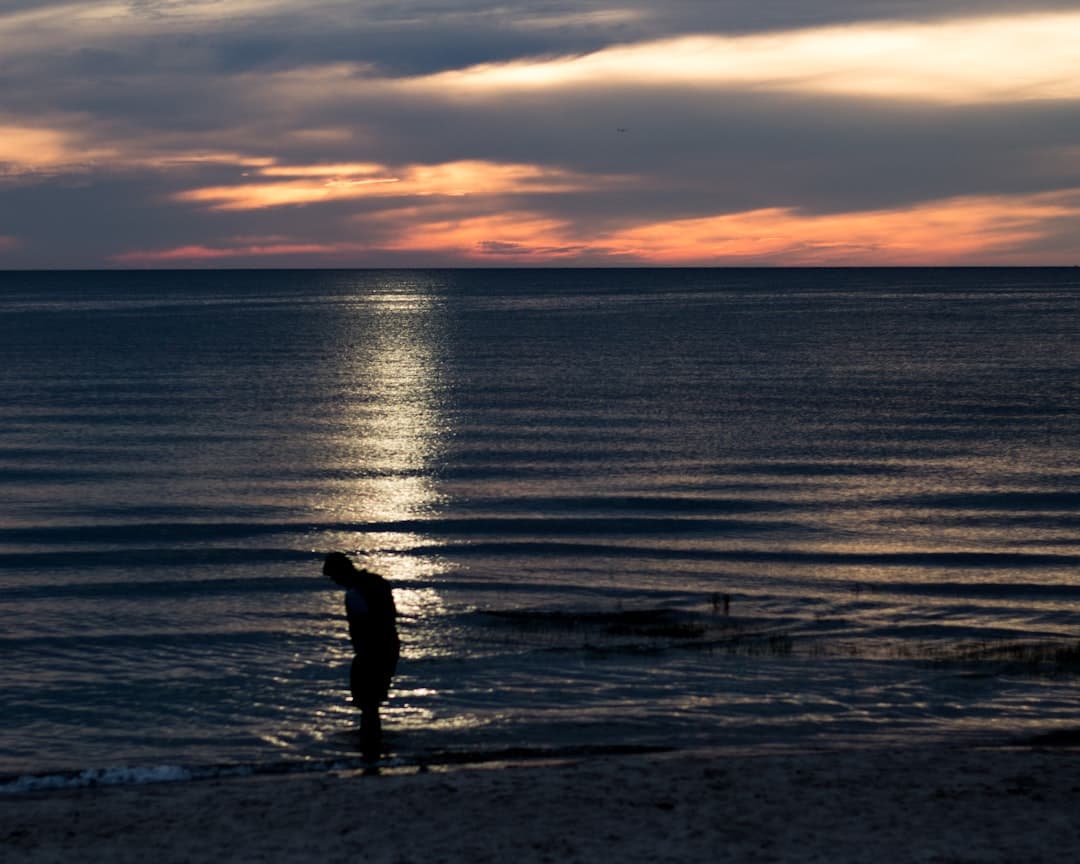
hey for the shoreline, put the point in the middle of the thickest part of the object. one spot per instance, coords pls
(929, 803)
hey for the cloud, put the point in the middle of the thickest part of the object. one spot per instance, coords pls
(955, 231)
(28, 150)
(520, 237)
(950, 231)
(1003, 59)
(454, 131)
(281, 185)
(198, 253)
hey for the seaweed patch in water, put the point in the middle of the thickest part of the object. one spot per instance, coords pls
(1064, 657)
(1046, 656)
(659, 623)
(649, 630)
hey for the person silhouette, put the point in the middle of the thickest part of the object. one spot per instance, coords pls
(369, 606)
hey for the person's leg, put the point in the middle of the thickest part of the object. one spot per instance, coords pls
(370, 722)
(370, 730)
(369, 680)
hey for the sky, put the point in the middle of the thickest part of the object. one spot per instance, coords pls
(415, 133)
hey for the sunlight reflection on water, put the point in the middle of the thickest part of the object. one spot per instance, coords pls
(389, 419)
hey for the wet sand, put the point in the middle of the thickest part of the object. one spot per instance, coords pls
(926, 805)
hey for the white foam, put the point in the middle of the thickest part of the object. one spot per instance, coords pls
(114, 776)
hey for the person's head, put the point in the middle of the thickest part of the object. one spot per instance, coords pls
(339, 568)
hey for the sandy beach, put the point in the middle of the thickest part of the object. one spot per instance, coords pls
(926, 805)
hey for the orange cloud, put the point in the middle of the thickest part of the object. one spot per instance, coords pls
(30, 150)
(359, 170)
(509, 237)
(951, 231)
(1017, 57)
(34, 150)
(308, 184)
(197, 253)
(512, 237)
(956, 230)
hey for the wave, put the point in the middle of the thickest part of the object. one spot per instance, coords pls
(149, 557)
(903, 559)
(464, 526)
(985, 590)
(152, 774)
(1054, 501)
(129, 590)
(160, 640)
(123, 775)
(149, 531)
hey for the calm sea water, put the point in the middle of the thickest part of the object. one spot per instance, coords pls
(566, 475)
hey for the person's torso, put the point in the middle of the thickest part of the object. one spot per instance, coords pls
(371, 614)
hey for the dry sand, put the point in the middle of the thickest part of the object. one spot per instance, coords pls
(932, 805)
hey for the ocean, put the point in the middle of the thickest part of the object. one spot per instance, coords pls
(744, 508)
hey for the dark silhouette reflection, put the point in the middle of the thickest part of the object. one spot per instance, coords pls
(369, 605)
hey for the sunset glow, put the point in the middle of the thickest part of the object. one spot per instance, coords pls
(957, 231)
(608, 134)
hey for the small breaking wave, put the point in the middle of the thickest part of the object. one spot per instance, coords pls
(154, 774)
(122, 775)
